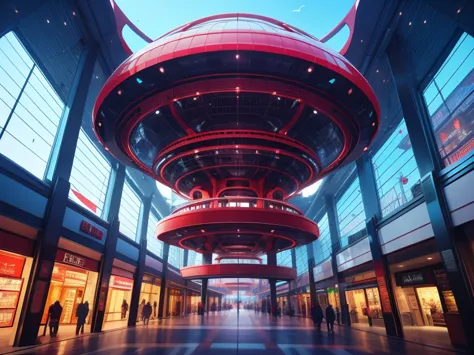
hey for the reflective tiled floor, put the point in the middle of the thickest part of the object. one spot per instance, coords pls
(231, 333)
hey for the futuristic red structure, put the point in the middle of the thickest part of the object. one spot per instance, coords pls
(237, 113)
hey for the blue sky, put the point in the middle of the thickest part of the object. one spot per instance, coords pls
(155, 17)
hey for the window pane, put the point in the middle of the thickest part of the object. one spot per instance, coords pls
(194, 258)
(301, 260)
(452, 108)
(322, 246)
(396, 172)
(351, 213)
(284, 258)
(175, 257)
(153, 243)
(89, 176)
(28, 137)
(129, 212)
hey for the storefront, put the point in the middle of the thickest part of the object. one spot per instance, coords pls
(74, 281)
(14, 273)
(304, 305)
(424, 296)
(175, 302)
(364, 306)
(193, 299)
(150, 292)
(213, 303)
(119, 296)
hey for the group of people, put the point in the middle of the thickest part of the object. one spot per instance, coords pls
(145, 310)
(330, 316)
(55, 311)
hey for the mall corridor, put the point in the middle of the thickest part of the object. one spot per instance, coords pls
(229, 333)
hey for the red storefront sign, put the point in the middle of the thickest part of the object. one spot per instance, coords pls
(121, 283)
(11, 266)
(91, 230)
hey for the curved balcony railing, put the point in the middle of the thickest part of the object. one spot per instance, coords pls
(238, 202)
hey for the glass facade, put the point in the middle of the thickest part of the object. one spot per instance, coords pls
(89, 176)
(351, 213)
(450, 101)
(301, 260)
(129, 211)
(153, 243)
(396, 172)
(176, 257)
(322, 246)
(194, 258)
(284, 258)
(30, 109)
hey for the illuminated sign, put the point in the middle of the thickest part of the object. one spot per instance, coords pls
(91, 230)
(73, 260)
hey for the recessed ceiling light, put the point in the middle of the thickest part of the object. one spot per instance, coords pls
(430, 258)
(377, 71)
(197, 93)
(203, 231)
(459, 11)
(157, 112)
(272, 231)
(274, 93)
(237, 88)
(236, 146)
(106, 148)
(73, 13)
(315, 112)
(424, 21)
(409, 23)
(373, 124)
(332, 81)
(350, 91)
(162, 69)
(65, 23)
(400, 265)
(366, 148)
(196, 151)
(194, 98)
(238, 230)
(256, 152)
(400, 14)
(100, 124)
(47, 21)
(310, 70)
(16, 11)
(139, 80)
(278, 98)
(237, 56)
(361, 41)
(119, 92)
(217, 152)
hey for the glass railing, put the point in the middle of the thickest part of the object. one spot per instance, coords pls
(238, 202)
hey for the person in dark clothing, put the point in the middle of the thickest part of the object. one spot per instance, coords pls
(330, 318)
(55, 311)
(338, 316)
(146, 313)
(317, 315)
(124, 309)
(81, 313)
(155, 305)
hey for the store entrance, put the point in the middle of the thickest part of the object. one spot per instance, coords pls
(364, 307)
(430, 302)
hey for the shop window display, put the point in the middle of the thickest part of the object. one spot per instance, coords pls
(365, 307)
(175, 302)
(118, 299)
(14, 273)
(150, 292)
(70, 286)
(192, 301)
